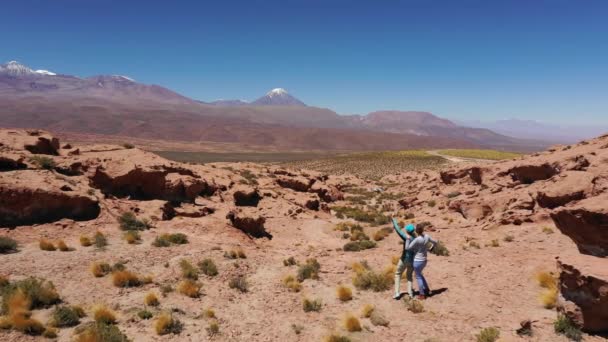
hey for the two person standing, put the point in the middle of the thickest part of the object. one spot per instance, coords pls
(413, 259)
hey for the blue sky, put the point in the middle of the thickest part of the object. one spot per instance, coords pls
(464, 59)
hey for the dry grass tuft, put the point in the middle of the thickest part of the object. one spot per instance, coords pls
(351, 323)
(208, 267)
(188, 271)
(382, 233)
(236, 253)
(366, 310)
(85, 241)
(132, 237)
(62, 246)
(189, 288)
(125, 278)
(99, 332)
(167, 324)
(104, 315)
(65, 316)
(7, 245)
(291, 283)
(100, 269)
(209, 313)
(313, 305)
(46, 245)
(378, 320)
(367, 279)
(239, 283)
(413, 305)
(35, 292)
(337, 338)
(309, 270)
(548, 282)
(100, 240)
(213, 329)
(344, 293)
(151, 299)
(488, 335)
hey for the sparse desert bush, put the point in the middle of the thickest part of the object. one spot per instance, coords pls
(549, 295)
(474, 244)
(151, 299)
(167, 324)
(440, 249)
(309, 270)
(161, 241)
(65, 316)
(494, 243)
(372, 216)
(239, 283)
(250, 178)
(413, 305)
(23, 323)
(46, 245)
(165, 240)
(378, 320)
(188, 270)
(351, 323)
(431, 203)
(549, 298)
(213, 329)
(50, 332)
(61, 245)
(366, 310)
(128, 221)
(43, 162)
(145, 314)
(292, 284)
(367, 279)
(395, 260)
(38, 293)
(356, 246)
(189, 288)
(509, 238)
(488, 335)
(3, 282)
(100, 240)
(128, 146)
(85, 241)
(547, 230)
(310, 305)
(291, 261)
(209, 313)
(125, 278)
(100, 332)
(208, 267)
(104, 315)
(546, 279)
(380, 234)
(132, 237)
(7, 245)
(345, 226)
(344, 293)
(166, 289)
(564, 326)
(119, 266)
(178, 238)
(297, 329)
(337, 338)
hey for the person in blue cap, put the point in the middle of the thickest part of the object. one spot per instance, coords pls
(406, 262)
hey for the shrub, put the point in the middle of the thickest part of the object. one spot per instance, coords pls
(165, 240)
(239, 283)
(488, 335)
(145, 314)
(564, 326)
(356, 246)
(291, 283)
(337, 338)
(344, 293)
(100, 332)
(297, 328)
(474, 244)
(22, 322)
(209, 313)
(378, 320)
(368, 279)
(213, 329)
(7, 245)
(358, 235)
(454, 194)
(380, 234)
(189, 288)
(125, 279)
(549, 298)
(43, 162)
(161, 241)
(46, 245)
(309, 270)
(100, 269)
(65, 316)
(494, 243)
(366, 310)
(50, 332)
(128, 221)
(132, 237)
(291, 261)
(37, 293)
(63, 247)
(103, 315)
(188, 271)
(509, 238)
(167, 324)
(374, 217)
(100, 240)
(178, 238)
(312, 305)
(351, 323)
(548, 282)
(413, 305)
(207, 266)
(547, 230)
(3, 282)
(151, 299)
(440, 249)
(165, 289)
(431, 203)
(85, 241)
(128, 146)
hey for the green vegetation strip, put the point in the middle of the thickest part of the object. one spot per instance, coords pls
(480, 154)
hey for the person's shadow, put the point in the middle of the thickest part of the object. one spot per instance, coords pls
(432, 294)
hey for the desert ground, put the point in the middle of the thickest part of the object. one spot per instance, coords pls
(503, 225)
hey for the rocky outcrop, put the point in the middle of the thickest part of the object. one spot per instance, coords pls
(471, 210)
(34, 141)
(528, 174)
(169, 211)
(297, 183)
(473, 173)
(31, 197)
(246, 196)
(586, 224)
(569, 187)
(249, 222)
(583, 284)
(327, 193)
(10, 162)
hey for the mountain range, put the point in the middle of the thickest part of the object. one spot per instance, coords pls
(119, 105)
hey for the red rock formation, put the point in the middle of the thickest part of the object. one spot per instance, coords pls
(250, 223)
(298, 183)
(246, 196)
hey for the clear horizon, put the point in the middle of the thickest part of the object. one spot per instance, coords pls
(467, 61)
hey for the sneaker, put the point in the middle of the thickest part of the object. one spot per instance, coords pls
(427, 293)
(396, 296)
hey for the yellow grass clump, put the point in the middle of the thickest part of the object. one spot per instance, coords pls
(547, 281)
(395, 260)
(19, 317)
(101, 314)
(85, 241)
(292, 284)
(189, 288)
(366, 310)
(344, 293)
(100, 269)
(209, 313)
(125, 278)
(351, 323)
(46, 245)
(151, 299)
(166, 324)
(62, 246)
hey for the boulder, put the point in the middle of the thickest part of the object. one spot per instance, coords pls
(573, 186)
(586, 223)
(35, 196)
(298, 183)
(577, 163)
(34, 141)
(327, 193)
(407, 202)
(249, 222)
(246, 196)
(10, 161)
(473, 173)
(528, 174)
(583, 284)
(169, 211)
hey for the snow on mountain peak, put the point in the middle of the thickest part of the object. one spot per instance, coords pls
(45, 72)
(277, 91)
(14, 68)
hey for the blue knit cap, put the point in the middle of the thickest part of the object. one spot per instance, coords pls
(410, 228)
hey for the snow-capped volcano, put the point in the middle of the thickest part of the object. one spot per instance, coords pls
(278, 97)
(14, 68)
